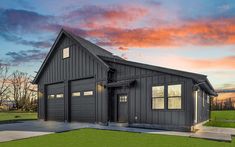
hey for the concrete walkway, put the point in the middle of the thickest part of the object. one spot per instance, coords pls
(28, 129)
(214, 133)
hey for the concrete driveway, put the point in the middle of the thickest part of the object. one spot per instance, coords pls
(26, 129)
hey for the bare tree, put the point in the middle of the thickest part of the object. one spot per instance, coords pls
(4, 84)
(23, 91)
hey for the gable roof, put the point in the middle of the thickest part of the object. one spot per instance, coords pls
(103, 56)
(93, 49)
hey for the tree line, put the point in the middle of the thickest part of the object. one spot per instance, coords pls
(16, 90)
(226, 104)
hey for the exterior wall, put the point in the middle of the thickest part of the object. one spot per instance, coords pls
(140, 97)
(203, 111)
(81, 64)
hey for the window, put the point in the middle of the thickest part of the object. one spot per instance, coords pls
(158, 97)
(123, 98)
(208, 99)
(65, 52)
(59, 95)
(87, 93)
(174, 96)
(76, 94)
(51, 96)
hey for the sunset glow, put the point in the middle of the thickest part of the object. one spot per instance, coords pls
(196, 36)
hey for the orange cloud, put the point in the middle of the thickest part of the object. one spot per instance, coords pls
(190, 64)
(200, 32)
(225, 62)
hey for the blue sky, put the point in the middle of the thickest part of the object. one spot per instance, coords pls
(197, 36)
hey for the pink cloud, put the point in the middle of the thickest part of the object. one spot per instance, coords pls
(92, 16)
(200, 32)
(187, 63)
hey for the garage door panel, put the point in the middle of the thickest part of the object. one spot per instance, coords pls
(55, 106)
(83, 107)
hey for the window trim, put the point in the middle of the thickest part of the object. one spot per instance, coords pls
(182, 97)
(164, 95)
(68, 53)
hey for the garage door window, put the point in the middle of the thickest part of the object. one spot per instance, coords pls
(51, 96)
(59, 95)
(76, 94)
(88, 93)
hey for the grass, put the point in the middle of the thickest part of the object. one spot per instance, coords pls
(220, 124)
(105, 138)
(222, 119)
(223, 115)
(9, 117)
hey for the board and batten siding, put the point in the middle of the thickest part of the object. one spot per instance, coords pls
(81, 64)
(140, 96)
(203, 111)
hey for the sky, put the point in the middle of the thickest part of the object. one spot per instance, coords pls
(196, 36)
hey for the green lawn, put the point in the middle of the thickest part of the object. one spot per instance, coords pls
(222, 118)
(223, 115)
(104, 138)
(6, 117)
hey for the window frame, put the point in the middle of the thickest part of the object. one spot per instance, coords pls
(182, 96)
(164, 95)
(68, 52)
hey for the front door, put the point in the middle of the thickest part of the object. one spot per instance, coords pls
(122, 108)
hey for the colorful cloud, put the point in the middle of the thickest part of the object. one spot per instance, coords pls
(165, 32)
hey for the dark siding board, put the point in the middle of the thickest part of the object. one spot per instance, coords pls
(141, 100)
(80, 64)
(132, 105)
(149, 100)
(138, 108)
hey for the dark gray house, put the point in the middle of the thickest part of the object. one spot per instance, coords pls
(79, 81)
